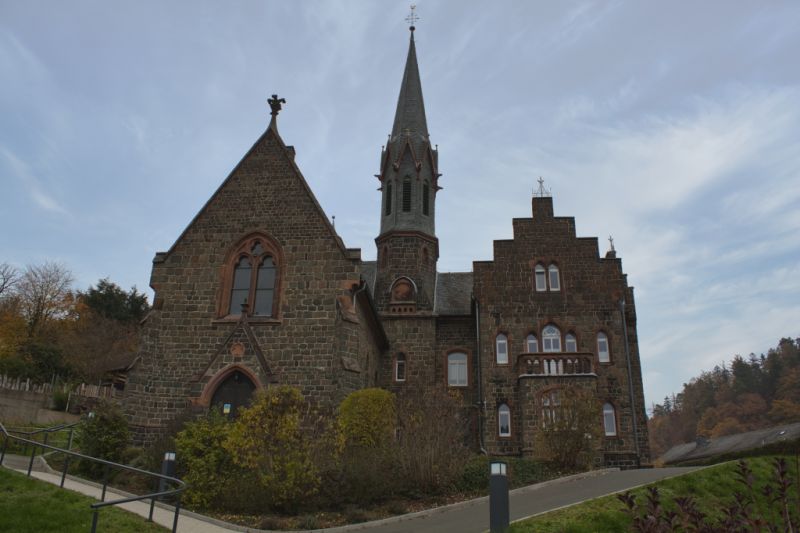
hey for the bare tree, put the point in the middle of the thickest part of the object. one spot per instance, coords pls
(44, 293)
(9, 276)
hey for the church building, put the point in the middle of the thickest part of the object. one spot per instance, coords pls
(260, 290)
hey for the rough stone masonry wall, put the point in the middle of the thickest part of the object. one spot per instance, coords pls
(586, 304)
(183, 333)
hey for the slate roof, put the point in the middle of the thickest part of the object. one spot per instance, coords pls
(750, 440)
(369, 270)
(453, 293)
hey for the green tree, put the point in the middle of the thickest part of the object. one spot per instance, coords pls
(105, 435)
(108, 300)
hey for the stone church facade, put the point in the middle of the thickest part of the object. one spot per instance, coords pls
(260, 290)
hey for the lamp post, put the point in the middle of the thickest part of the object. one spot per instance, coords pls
(498, 497)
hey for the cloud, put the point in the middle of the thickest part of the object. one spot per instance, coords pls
(25, 175)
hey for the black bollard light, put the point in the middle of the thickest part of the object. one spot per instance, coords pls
(167, 469)
(498, 497)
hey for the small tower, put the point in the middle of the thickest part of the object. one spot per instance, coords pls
(407, 245)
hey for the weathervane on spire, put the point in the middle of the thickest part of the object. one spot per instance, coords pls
(412, 18)
(541, 192)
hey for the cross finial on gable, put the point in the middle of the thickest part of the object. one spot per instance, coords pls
(412, 18)
(275, 104)
(541, 192)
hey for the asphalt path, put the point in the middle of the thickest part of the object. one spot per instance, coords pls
(473, 516)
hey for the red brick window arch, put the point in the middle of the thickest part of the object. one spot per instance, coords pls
(251, 278)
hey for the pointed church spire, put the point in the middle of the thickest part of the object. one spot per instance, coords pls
(409, 119)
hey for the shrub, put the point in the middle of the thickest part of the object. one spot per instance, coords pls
(267, 440)
(367, 453)
(432, 445)
(203, 462)
(367, 418)
(60, 399)
(568, 438)
(105, 435)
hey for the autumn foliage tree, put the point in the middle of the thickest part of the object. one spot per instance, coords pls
(744, 395)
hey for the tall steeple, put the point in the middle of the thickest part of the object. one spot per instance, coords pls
(409, 174)
(407, 245)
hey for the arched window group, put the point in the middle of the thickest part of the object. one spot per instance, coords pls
(552, 411)
(253, 279)
(546, 278)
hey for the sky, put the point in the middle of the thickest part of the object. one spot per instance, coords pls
(673, 126)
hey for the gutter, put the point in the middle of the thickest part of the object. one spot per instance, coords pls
(481, 403)
(630, 380)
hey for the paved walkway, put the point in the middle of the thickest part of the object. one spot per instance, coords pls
(465, 517)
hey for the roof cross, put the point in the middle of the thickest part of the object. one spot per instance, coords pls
(412, 17)
(541, 192)
(275, 104)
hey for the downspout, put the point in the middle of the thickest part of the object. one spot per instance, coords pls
(364, 285)
(481, 403)
(630, 380)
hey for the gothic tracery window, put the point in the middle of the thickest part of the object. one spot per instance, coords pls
(253, 279)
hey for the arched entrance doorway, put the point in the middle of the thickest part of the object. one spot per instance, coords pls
(235, 391)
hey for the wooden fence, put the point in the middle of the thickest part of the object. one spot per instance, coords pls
(85, 390)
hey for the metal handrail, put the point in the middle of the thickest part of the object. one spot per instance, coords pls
(181, 485)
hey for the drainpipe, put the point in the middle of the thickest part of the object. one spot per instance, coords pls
(481, 403)
(360, 289)
(630, 380)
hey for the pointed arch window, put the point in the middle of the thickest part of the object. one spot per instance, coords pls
(387, 210)
(406, 195)
(532, 343)
(551, 408)
(504, 420)
(251, 278)
(570, 343)
(609, 420)
(551, 339)
(426, 201)
(603, 353)
(501, 349)
(541, 278)
(555, 282)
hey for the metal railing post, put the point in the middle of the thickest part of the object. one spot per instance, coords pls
(177, 511)
(94, 520)
(3, 454)
(30, 464)
(153, 502)
(66, 459)
(105, 483)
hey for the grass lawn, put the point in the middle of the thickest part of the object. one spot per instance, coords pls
(33, 506)
(711, 488)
